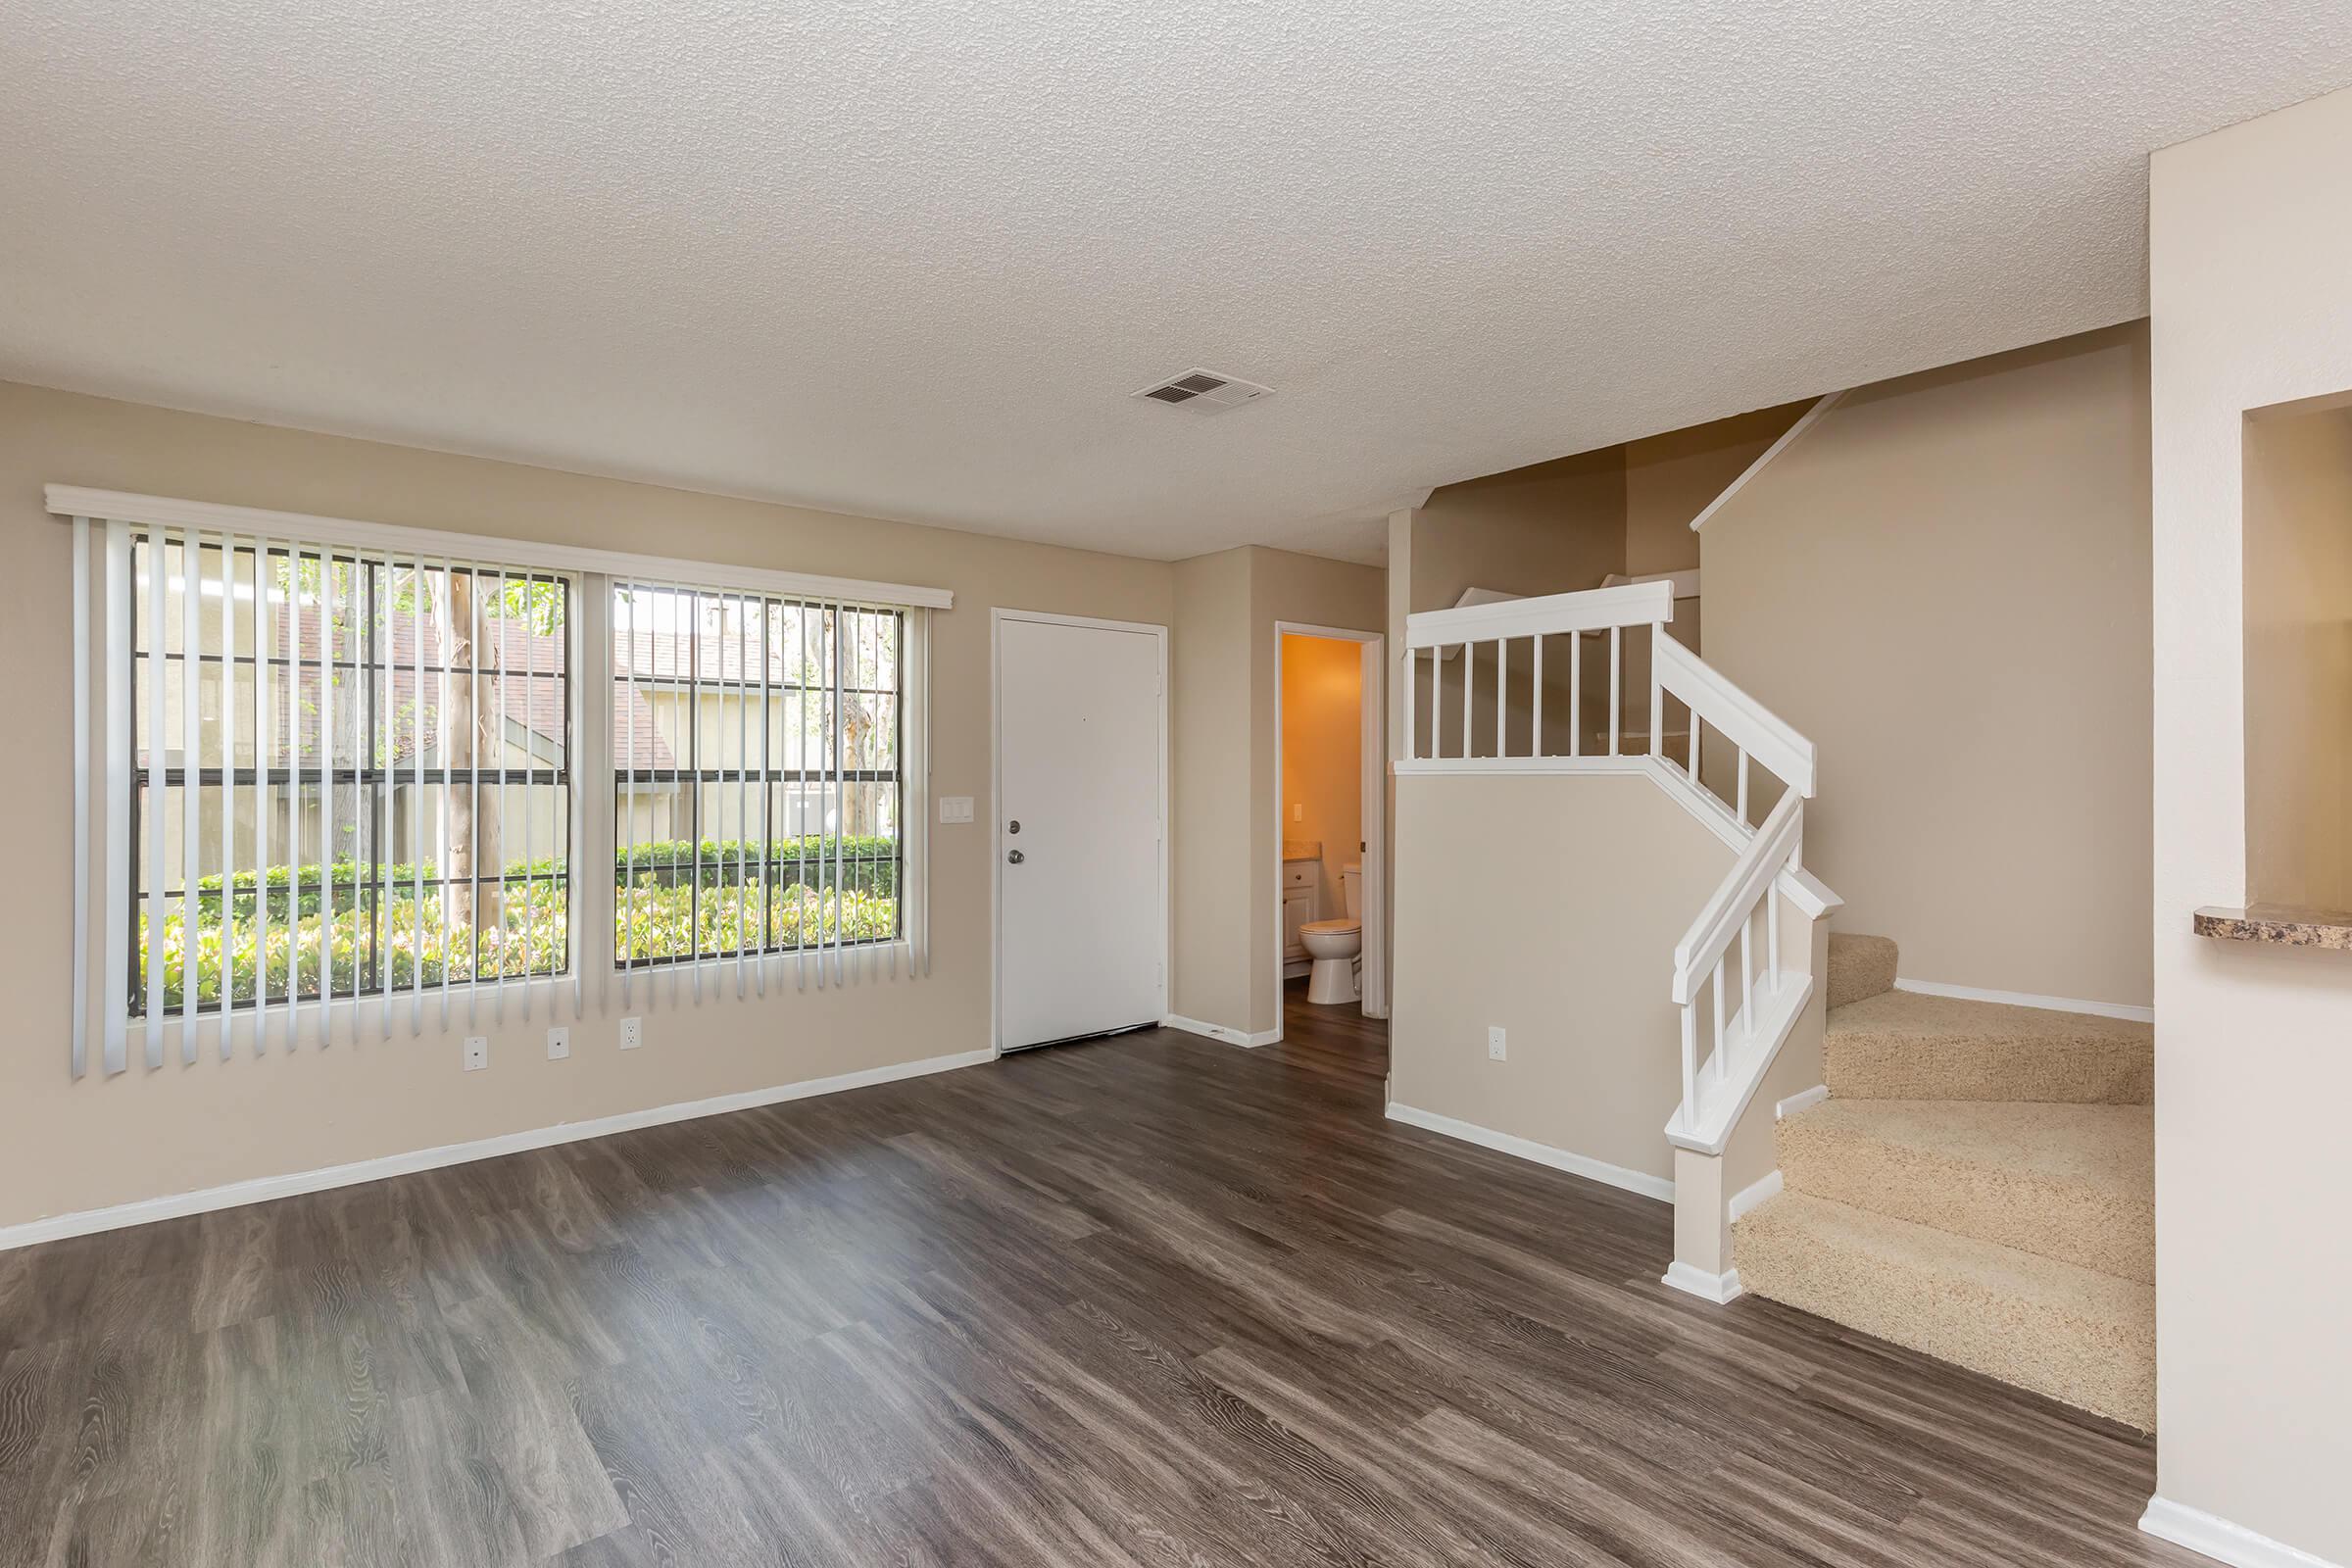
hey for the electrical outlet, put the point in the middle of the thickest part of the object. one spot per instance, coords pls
(954, 808)
(1496, 1050)
(477, 1052)
(632, 1033)
(558, 1044)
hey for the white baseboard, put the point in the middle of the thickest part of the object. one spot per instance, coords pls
(263, 1188)
(2027, 999)
(1802, 1100)
(1716, 1288)
(1599, 1170)
(1754, 1192)
(2221, 1539)
(1217, 1031)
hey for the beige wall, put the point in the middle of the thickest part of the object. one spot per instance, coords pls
(73, 1145)
(1578, 970)
(1549, 528)
(1488, 933)
(1228, 848)
(1312, 592)
(2298, 608)
(1670, 479)
(2250, 248)
(1211, 857)
(1322, 756)
(1944, 584)
(1552, 528)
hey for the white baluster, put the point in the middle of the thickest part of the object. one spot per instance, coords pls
(1616, 685)
(1576, 694)
(1743, 785)
(1716, 981)
(1535, 737)
(1502, 697)
(1658, 698)
(1747, 983)
(1469, 674)
(1691, 1063)
(1437, 703)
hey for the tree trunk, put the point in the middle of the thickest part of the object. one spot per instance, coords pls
(468, 733)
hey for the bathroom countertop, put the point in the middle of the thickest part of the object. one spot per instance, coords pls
(1300, 849)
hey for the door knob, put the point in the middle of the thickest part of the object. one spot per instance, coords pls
(1017, 856)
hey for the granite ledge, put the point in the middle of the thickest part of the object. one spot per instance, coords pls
(2279, 924)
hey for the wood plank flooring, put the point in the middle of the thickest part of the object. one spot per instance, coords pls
(1146, 1300)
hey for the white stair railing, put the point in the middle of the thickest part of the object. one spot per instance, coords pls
(1488, 634)
(1729, 981)
(1769, 996)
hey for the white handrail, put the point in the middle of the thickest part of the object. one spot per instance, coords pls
(1725, 914)
(1749, 725)
(1637, 604)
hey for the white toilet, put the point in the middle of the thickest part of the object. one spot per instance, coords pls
(1336, 946)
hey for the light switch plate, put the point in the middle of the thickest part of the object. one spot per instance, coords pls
(954, 808)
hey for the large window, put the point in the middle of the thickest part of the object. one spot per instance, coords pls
(324, 775)
(350, 774)
(757, 780)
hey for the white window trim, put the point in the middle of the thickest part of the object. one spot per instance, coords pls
(102, 711)
(67, 501)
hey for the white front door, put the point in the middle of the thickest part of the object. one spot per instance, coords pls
(1083, 932)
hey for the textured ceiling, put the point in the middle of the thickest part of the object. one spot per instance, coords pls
(910, 259)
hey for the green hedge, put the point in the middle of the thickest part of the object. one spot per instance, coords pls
(531, 937)
(869, 865)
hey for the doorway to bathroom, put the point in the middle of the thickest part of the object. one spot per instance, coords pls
(1329, 880)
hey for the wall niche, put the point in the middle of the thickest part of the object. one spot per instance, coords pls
(2298, 654)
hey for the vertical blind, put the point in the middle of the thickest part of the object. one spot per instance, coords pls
(759, 800)
(348, 788)
(337, 766)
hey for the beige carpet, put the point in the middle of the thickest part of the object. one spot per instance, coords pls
(2076, 1182)
(1903, 1045)
(1980, 1186)
(1860, 967)
(2071, 1333)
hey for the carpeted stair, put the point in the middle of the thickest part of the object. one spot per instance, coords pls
(1980, 1186)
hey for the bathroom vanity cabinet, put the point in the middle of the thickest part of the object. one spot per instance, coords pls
(1298, 907)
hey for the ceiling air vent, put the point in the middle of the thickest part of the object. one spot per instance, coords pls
(1204, 391)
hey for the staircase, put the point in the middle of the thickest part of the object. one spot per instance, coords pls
(1980, 1186)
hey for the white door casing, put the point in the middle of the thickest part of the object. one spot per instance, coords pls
(1081, 761)
(1372, 874)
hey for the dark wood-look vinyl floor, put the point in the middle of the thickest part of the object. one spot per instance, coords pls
(1145, 1300)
